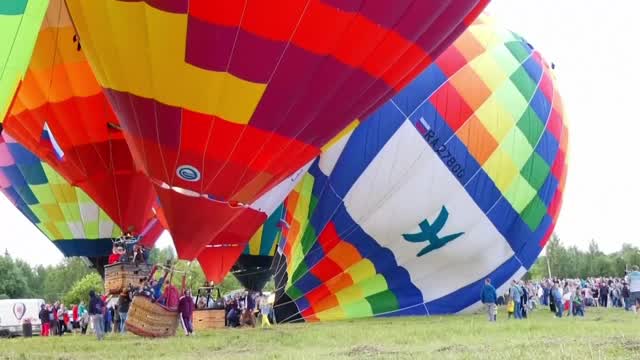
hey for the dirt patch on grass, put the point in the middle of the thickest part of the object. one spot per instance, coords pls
(367, 351)
(631, 345)
(628, 344)
(452, 348)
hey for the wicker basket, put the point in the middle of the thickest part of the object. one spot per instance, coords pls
(119, 276)
(208, 319)
(150, 319)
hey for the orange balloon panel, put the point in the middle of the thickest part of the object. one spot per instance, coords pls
(227, 99)
(61, 115)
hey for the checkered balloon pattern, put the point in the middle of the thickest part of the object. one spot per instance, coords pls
(457, 178)
(62, 212)
(224, 100)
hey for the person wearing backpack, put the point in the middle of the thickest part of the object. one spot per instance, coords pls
(96, 311)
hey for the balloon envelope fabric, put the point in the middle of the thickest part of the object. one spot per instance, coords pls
(20, 21)
(456, 179)
(64, 213)
(61, 114)
(253, 267)
(223, 100)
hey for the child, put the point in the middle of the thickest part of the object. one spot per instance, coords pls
(578, 309)
(510, 308)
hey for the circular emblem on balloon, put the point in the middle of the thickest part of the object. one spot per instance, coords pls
(188, 173)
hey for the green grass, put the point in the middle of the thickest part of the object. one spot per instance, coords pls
(602, 334)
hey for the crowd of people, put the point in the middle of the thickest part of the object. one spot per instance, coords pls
(109, 315)
(243, 308)
(57, 319)
(106, 314)
(564, 297)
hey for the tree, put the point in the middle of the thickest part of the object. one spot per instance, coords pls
(630, 255)
(592, 258)
(539, 269)
(557, 256)
(195, 276)
(60, 278)
(34, 282)
(160, 256)
(80, 289)
(229, 284)
(12, 281)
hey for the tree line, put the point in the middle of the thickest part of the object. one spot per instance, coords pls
(569, 262)
(71, 280)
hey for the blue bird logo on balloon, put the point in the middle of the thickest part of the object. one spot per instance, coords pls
(429, 232)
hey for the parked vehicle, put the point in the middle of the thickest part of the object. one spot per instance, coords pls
(15, 312)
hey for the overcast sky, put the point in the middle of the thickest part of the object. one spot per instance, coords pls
(593, 44)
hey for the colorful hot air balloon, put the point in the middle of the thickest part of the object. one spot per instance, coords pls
(253, 267)
(456, 179)
(223, 100)
(19, 24)
(222, 253)
(61, 114)
(62, 212)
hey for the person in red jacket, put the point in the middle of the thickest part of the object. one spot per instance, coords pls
(116, 254)
(44, 320)
(75, 324)
(65, 319)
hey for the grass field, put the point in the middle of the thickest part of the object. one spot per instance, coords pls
(602, 334)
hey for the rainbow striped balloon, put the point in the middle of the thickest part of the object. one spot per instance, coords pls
(456, 179)
(20, 21)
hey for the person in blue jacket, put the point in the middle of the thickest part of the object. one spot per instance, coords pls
(488, 298)
(556, 296)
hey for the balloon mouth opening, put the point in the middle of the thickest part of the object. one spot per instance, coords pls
(185, 192)
(213, 246)
(194, 194)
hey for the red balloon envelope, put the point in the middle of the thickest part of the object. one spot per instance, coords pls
(61, 114)
(223, 100)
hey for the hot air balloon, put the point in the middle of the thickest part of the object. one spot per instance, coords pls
(19, 24)
(457, 178)
(253, 267)
(64, 213)
(218, 257)
(220, 101)
(61, 114)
